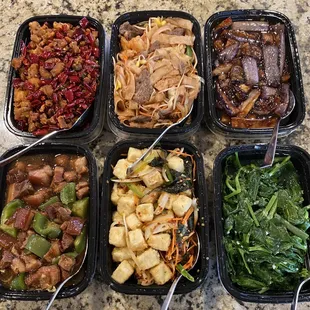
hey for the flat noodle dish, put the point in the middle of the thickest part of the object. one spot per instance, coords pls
(155, 75)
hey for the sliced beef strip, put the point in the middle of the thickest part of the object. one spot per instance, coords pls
(16, 175)
(18, 266)
(64, 274)
(129, 31)
(144, 88)
(62, 160)
(80, 165)
(44, 278)
(178, 31)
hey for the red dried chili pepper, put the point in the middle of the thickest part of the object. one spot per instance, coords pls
(28, 86)
(49, 65)
(96, 52)
(33, 58)
(62, 77)
(17, 82)
(83, 22)
(74, 78)
(69, 95)
(40, 132)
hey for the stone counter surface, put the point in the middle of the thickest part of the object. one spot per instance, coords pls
(211, 295)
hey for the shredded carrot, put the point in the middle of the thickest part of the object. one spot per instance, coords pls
(189, 262)
(172, 245)
(187, 215)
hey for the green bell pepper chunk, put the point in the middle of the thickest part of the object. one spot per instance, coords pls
(18, 283)
(12, 231)
(10, 209)
(80, 208)
(184, 273)
(38, 245)
(80, 241)
(72, 254)
(44, 227)
(168, 173)
(49, 202)
(67, 194)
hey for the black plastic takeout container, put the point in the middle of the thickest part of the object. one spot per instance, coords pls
(179, 132)
(85, 276)
(106, 266)
(92, 126)
(212, 115)
(248, 154)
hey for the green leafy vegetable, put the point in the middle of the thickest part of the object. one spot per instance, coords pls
(265, 225)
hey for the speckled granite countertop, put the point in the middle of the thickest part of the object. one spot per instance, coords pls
(99, 296)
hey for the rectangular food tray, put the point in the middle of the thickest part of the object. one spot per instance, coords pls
(80, 282)
(248, 154)
(212, 118)
(106, 266)
(93, 125)
(178, 132)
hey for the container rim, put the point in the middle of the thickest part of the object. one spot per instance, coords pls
(113, 120)
(96, 124)
(90, 262)
(229, 286)
(211, 113)
(104, 255)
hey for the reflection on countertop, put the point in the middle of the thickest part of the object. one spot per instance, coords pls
(211, 295)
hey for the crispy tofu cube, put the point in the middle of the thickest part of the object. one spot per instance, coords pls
(127, 204)
(145, 212)
(160, 242)
(120, 168)
(153, 179)
(136, 240)
(123, 272)
(116, 217)
(133, 222)
(176, 163)
(120, 254)
(181, 205)
(117, 193)
(117, 236)
(161, 273)
(133, 154)
(148, 259)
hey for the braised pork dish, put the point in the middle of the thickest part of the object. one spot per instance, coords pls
(43, 224)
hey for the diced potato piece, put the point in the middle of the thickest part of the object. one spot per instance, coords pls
(120, 254)
(161, 273)
(117, 193)
(145, 212)
(153, 179)
(120, 168)
(148, 259)
(136, 240)
(117, 217)
(181, 205)
(176, 163)
(127, 204)
(117, 236)
(123, 272)
(160, 242)
(133, 222)
(133, 154)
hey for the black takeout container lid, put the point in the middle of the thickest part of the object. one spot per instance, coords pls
(212, 115)
(106, 266)
(178, 132)
(80, 282)
(93, 125)
(248, 154)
